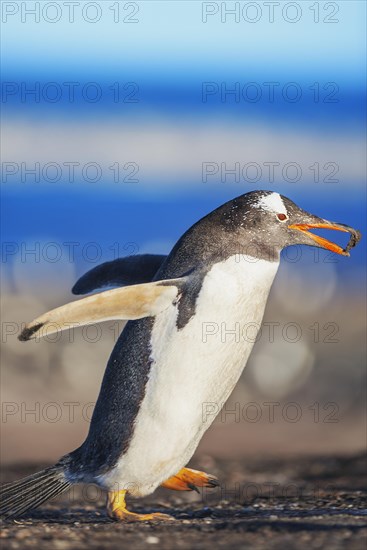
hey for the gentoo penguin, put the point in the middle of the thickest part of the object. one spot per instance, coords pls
(148, 419)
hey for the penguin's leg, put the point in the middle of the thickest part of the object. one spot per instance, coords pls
(189, 480)
(116, 509)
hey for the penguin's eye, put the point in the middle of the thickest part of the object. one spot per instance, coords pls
(282, 217)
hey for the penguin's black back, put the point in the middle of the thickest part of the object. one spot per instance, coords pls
(120, 396)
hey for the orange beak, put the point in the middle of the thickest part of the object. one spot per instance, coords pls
(324, 243)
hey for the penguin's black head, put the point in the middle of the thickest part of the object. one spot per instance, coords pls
(271, 221)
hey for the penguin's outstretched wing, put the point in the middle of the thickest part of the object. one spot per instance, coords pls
(131, 270)
(128, 303)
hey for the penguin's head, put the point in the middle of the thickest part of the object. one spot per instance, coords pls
(270, 219)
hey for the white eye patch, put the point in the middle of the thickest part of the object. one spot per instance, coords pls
(272, 203)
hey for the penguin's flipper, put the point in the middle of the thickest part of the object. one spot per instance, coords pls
(131, 270)
(128, 303)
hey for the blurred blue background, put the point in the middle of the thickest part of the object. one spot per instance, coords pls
(176, 61)
(146, 86)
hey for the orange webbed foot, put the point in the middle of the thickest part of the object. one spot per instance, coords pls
(116, 509)
(189, 480)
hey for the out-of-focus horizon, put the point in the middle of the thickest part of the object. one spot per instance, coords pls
(125, 122)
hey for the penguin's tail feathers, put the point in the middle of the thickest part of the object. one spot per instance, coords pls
(32, 491)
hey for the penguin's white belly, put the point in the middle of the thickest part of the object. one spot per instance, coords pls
(194, 370)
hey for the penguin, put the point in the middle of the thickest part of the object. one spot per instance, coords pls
(148, 419)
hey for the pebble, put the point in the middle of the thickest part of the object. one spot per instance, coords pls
(152, 540)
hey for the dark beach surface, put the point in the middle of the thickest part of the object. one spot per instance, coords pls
(305, 503)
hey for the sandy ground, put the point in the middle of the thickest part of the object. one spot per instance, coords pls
(301, 503)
